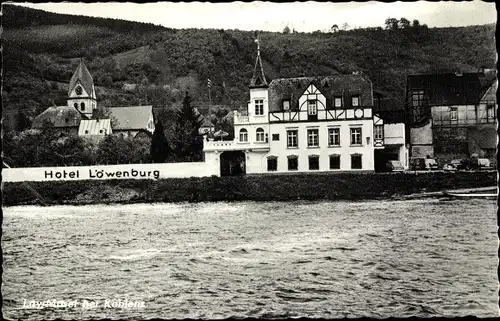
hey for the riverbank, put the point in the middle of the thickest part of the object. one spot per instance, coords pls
(344, 186)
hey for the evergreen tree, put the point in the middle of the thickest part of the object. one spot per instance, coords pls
(159, 145)
(188, 142)
(22, 122)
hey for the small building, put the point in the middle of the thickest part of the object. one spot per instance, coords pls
(94, 129)
(206, 127)
(306, 124)
(452, 115)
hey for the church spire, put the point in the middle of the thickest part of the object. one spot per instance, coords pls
(258, 78)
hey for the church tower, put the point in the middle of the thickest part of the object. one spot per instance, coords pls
(81, 91)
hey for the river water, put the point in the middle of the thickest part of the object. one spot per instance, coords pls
(254, 259)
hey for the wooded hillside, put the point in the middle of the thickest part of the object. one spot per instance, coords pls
(136, 63)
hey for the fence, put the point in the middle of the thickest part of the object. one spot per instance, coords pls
(102, 172)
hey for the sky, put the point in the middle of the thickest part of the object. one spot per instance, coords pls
(301, 16)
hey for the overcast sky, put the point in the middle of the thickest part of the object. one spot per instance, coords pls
(308, 16)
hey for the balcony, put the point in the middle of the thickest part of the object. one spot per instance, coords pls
(233, 145)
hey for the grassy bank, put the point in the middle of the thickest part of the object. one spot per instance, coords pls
(256, 188)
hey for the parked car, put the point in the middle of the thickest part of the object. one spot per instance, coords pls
(394, 166)
(484, 164)
(431, 164)
(456, 165)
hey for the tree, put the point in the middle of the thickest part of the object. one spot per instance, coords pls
(416, 23)
(22, 122)
(404, 23)
(391, 23)
(159, 145)
(345, 26)
(334, 28)
(286, 30)
(188, 142)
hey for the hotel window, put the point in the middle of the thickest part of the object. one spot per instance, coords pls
(417, 98)
(333, 136)
(334, 161)
(276, 137)
(490, 111)
(272, 163)
(453, 113)
(293, 163)
(292, 139)
(337, 102)
(260, 135)
(356, 161)
(286, 105)
(312, 107)
(243, 135)
(82, 106)
(378, 132)
(313, 162)
(356, 136)
(355, 101)
(312, 138)
(86, 131)
(259, 107)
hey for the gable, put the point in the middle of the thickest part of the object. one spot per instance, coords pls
(132, 118)
(330, 87)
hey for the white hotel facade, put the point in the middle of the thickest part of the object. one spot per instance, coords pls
(307, 124)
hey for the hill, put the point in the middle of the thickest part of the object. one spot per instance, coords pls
(138, 63)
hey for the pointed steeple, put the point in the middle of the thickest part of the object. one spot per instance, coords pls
(258, 78)
(83, 77)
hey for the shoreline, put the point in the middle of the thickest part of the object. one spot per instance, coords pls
(341, 186)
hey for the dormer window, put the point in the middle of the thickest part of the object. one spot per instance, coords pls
(355, 101)
(312, 107)
(78, 90)
(286, 105)
(337, 102)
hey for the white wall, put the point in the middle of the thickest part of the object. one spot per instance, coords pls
(257, 161)
(126, 171)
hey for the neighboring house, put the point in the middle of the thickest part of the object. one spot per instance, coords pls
(305, 124)
(206, 127)
(129, 121)
(78, 117)
(66, 119)
(95, 129)
(452, 115)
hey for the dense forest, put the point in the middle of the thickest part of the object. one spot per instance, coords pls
(137, 63)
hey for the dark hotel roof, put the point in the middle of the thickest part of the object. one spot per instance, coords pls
(330, 86)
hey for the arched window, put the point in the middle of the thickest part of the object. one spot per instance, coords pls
(82, 106)
(76, 105)
(260, 135)
(243, 135)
